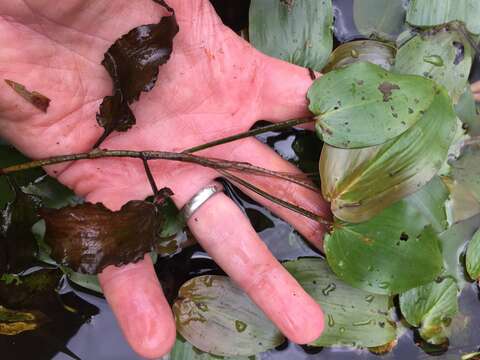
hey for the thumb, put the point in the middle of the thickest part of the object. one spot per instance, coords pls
(284, 90)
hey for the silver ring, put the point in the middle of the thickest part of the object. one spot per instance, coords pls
(199, 199)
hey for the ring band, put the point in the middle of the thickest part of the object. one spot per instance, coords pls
(199, 199)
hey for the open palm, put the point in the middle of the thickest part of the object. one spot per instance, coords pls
(215, 85)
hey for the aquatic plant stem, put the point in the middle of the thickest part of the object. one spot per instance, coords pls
(161, 155)
(273, 127)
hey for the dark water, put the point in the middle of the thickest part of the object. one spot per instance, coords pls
(91, 332)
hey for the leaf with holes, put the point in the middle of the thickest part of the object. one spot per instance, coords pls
(215, 306)
(383, 255)
(444, 56)
(363, 105)
(427, 13)
(360, 183)
(431, 307)
(352, 316)
(296, 31)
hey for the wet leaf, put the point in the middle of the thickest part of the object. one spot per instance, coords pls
(473, 257)
(89, 237)
(352, 316)
(466, 110)
(383, 255)
(360, 183)
(183, 350)
(431, 307)
(462, 204)
(38, 100)
(215, 306)
(383, 19)
(375, 52)
(11, 156)
(17, 243)
(444, 56)
(363, 105)
(132, 62)
(296, 31)
(15, 322)
(465, 169)
(453, 243)
(426, 13)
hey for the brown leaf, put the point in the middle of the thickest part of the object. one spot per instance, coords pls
(89, 237)
(38, 100)
(132, 62)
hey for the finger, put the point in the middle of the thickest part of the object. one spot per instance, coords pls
(476, 87)
(136, 298)
(254, 152)
(284, 91)
(226, 234)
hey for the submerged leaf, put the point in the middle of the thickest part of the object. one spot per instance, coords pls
(431, 307)
(363, 105)
(296, 31)
(38, 100)
(453, 243)
(89, 237)
(360, 183)
(17, 243)
(425, 13)
(375, 52)
(183, 350)
(382, 19)
(465, 169)
(466, 110)
(473, 257)
(462, 204)
(15, 322)
(352, 316)
(132, 62)
(444, 56)
(217, 317)
(383, 255)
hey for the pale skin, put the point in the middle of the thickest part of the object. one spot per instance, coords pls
(215, 85)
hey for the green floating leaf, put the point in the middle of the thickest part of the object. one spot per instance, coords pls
(462, 204)
(426, 13)
(217, 317)
(431, 307)
(375, 52)
(383, 255)
(465, 169)
(352, 317)
(466, 110)
(473, 257)
(444, 56)
(360, 183)
(363, 105)
(183, 350)
(296, 31)
(383, 19)
(453, 243)
(18, 246)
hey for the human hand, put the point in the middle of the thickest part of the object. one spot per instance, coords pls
(214, 85)
(476, 90)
